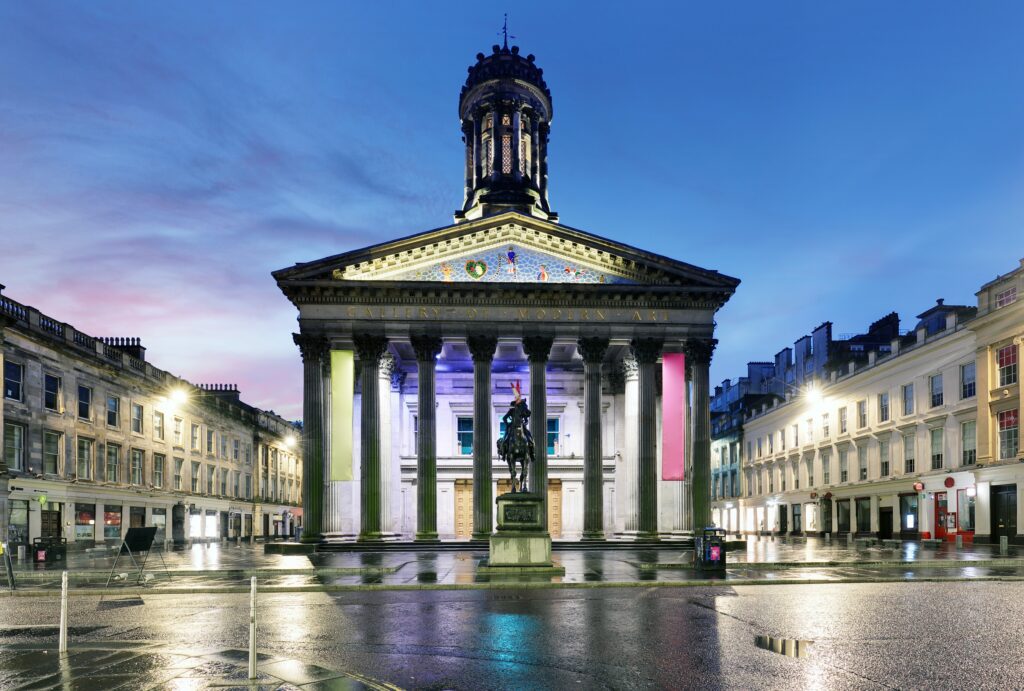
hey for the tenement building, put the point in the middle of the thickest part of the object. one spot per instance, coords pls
(918, 438)
(410, 348)
(97, 440)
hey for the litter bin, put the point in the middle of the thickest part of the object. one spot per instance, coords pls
(40, 550)
(58, 550)
(709, 549)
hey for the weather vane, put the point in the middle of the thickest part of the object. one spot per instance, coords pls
(504, 32)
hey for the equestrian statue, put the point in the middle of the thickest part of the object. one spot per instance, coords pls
(516, 446)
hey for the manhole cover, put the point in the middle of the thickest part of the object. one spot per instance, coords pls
(790, 647)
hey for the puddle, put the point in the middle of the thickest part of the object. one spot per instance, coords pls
(784, 646)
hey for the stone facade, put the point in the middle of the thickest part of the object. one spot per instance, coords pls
(918, 438)
(93, 432)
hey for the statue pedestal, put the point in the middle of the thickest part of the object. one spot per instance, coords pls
(521, 544)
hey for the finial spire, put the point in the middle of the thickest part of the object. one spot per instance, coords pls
(504, 32)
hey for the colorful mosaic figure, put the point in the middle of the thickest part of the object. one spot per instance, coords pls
(508, 264)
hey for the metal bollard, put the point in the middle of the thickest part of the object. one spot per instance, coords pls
(62, 645)
(1004, 545)
(959, 541)
(252, 628)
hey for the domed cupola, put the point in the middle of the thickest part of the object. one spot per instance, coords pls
(505, 108)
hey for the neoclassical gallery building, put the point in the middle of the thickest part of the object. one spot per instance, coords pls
(410, 349)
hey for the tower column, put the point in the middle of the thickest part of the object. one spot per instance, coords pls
(535, 154)
(313, 349)
(647, 351)
(592, 350)
(476, 152)
(427, 348)
(537, 350)
(482, 349)
(542, 178)
(468, 130)
(369, 349)
(698, 359)
(517, 132)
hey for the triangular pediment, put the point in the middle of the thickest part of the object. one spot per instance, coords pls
(509, 248)
(510, 253)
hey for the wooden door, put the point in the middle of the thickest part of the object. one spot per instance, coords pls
(1004, 512)
(885, 523)
(50, 524)
(464, 508)
(555, 508)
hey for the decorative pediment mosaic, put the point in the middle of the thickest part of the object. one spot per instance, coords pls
(509, 254)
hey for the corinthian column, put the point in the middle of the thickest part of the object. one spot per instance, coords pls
(698, 360)
(647, 351)
(427, 349)
(592, 350)
(369, 348)
(313, 349)
(537, 350)
(482, 348)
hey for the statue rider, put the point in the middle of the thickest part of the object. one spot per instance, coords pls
(517, 419)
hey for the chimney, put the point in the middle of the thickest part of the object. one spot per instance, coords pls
(129, 346)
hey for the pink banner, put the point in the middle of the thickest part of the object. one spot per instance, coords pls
(673, 416)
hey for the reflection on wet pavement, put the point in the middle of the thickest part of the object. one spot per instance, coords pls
(784, 646)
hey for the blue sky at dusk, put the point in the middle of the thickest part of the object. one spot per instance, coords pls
(159, 160)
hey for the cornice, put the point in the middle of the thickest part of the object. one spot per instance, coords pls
(319, 292)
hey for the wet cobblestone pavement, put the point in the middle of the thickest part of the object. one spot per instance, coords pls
(136, 665)
(226, 568)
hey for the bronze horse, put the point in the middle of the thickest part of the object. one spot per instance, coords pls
(517, 444)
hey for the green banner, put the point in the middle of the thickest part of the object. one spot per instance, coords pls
(342, 393)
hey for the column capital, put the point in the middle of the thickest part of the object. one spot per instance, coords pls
(617, 380)
(699, 350)
(629, 368)
(369, 347)
(537, 348)
(592, 349)
(386, 365)
(426, 346)
(647, 350)
(482, 347)
(312, 347)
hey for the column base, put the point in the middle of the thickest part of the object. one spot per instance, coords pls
(427, 538)
(333, 538)
(370, 537)
(481, 536)
(593, 536)
(311, 539)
